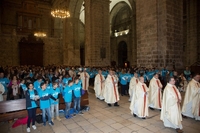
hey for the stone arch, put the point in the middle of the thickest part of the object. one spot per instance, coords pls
(119, 9)
(75, 7)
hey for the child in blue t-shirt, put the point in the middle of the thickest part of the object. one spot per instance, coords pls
(68, 98)
(31, 105)
(45, 103)
(77, 96)
(55, 91)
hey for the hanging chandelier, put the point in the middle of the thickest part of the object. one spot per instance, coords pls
(40, 34)
(60, 13)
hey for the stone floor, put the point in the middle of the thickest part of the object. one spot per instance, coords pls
(103, 119)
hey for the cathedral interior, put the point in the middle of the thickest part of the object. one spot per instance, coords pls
(100, 33)
(145, 33)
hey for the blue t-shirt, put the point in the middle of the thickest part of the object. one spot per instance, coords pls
(54, 93)
(50, 77)
(36, 85)
(129, 76)
(32, 97)
(150, 75)
(105, 74)
(77, 89)
(91, 73)
(49, 86)
(145, 77)
(23, 86)
(123, 79)
(171, 73)
(65, 80)
(5, 82)
(68, 93)
(31, 74)
(164, 72)
(44, 103)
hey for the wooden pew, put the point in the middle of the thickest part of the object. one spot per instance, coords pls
(14, 109)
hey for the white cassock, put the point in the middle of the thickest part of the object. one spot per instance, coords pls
(111, 93)
(171, 110)
(191, 104)
(99, 86)
(139, 102)
(72, 73)
(84, 76)
(155, 94)
(132, 86)
(2, 89)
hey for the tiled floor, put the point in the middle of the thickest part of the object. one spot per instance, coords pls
(103, 119)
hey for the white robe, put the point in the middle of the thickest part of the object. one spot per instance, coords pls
(111, 93)
(99, 86)
(191, 104)
(2, 89)
(132, 86)
(139, 102)
(84, 76)
(171, 111)
(183, 84)
(155, 94)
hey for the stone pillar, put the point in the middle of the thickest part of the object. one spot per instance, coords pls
(193, 35)
(133, 56)
(146, 22)
(174, 33)
(71, 46)
(159, 33)
(97, 34)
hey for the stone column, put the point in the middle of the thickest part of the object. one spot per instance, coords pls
(97, 34)
(159, 33)
(192, 48)
(146, 23)
(174, 34)
(71, 46)
(133, 39)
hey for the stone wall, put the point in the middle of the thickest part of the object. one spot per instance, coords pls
(192, 48)
(13, 29)
(97, 32)
(174, 34)
(10, 50)
(53, 52)
(147, 36)
(159, 33)
(156, 38)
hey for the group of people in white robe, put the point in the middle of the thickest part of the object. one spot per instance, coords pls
(143, 97)
(107, 89)
(168, 100)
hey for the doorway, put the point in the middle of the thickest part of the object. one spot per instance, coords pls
(122, 54)
(31, 51)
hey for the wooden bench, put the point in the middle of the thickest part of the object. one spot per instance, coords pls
(13, 109)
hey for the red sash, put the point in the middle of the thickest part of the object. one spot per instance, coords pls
(114, 88)
(144, 99)
(136, 80)
(176, 93)
(159, 103)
